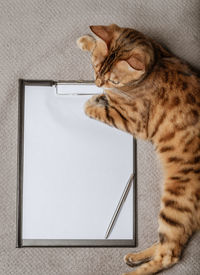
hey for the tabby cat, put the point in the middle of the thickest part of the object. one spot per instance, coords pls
(153, 95)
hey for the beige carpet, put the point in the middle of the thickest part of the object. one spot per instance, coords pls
(37, 41)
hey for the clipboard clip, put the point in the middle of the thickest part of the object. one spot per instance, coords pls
(76, 89)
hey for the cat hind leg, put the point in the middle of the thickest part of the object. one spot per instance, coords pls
(134, 259)
(164, 257)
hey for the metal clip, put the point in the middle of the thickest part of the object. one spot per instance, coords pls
(77, 88)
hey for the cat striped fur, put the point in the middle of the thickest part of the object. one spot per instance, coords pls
(153, 95)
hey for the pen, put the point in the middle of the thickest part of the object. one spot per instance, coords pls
(119, 206)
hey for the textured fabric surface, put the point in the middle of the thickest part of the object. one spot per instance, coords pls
(37, 41)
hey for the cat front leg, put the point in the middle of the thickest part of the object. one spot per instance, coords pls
(86, 43)
(98, 107)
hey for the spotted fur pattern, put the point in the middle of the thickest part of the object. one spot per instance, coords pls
(153, 95)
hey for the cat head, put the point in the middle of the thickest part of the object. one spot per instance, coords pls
(120, 56)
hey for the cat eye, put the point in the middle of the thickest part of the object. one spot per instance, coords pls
(112, 56)
(114, 82)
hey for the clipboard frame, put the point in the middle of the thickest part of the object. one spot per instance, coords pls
(20, 242)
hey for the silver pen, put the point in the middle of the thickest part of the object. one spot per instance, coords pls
(119, 206)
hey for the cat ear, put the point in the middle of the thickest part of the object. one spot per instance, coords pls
(104, 32)
(137, 61)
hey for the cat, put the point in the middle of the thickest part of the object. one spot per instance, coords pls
(153, 95)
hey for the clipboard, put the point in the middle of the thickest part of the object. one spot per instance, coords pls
(72, 170)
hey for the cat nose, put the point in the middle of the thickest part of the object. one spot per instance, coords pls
(99, 82)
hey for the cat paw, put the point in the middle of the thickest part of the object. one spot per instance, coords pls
(91, 101)
(94, 107)
(86, 42)
(128, 259)
(90, 105)
(95, 100)
(101, 100)
(132, 260)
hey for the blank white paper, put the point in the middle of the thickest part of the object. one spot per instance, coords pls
(74, 170)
